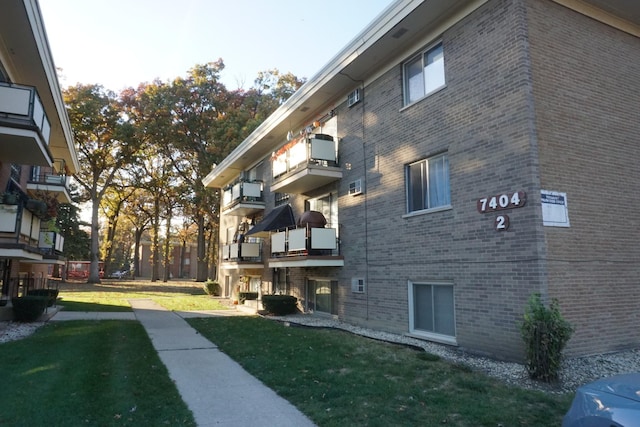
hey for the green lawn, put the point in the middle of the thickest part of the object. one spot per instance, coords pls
(107, 373)
(113, 295)
(87, 373)
(339, 379)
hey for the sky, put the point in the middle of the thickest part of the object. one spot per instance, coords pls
(122, 43)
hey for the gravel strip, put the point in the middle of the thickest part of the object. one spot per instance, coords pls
(10, 331)
(575, 371)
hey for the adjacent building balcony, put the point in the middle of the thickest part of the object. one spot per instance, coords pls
(51, 242)
(24, 126)
(243, 199)
(241, 255)
(305, 247)
(305, 164)
(19, 233)
(53, 180)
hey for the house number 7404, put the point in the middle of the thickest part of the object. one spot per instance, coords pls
(502, 201)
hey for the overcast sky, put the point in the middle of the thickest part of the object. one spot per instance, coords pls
(121, 43)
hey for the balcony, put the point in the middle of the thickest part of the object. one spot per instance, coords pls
(24, 126)
(243, 199)
(19, 233)
(305, 164)
(305, 247)
(51, 180)
(51, 243)
(236, 256)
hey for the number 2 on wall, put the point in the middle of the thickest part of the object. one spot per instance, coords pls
(502, 223)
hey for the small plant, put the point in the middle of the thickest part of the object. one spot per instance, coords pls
(280, 304)
(545, 333)
(29, 308)
(212, 288)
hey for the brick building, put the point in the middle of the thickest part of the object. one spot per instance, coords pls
(464, 154)
(37, 152)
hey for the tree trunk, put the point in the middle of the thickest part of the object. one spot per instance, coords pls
(94, 267)
(155, 243)
(167, 248)
(201, 273)
(136, 254)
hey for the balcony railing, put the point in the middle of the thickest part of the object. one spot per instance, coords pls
(242, 252)
(53, 180)
(304, 164)
(243, 198)
(305, 241)
(21, 112)
(51, 243)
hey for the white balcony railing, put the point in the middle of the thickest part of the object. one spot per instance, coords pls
(245, 251)
(51, 241)
(242, 192)
(20, 107)
(305, 241)
(316, 149)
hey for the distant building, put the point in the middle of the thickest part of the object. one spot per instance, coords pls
(464, 155)
(183, 260)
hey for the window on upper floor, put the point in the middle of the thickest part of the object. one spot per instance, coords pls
(423, 74)
(428, 183)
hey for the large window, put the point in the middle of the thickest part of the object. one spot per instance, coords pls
(428, 184)
(423, 74)
(431, 309)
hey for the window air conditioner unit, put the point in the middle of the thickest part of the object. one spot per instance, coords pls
(354, 97)
(355, 187)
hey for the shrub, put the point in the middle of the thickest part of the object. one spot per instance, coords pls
(545, 333)
(280, 304)
(243, 296)
(212, 288)
(29, 308)
(50, 294)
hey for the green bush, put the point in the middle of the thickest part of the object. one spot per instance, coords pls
(280, 304)
(545, 333)
(29, 308)
(243, 296)
(51, 294)
(212, 288)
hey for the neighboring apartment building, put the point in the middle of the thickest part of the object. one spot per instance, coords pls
(465, 154)
(37, 153)
(183, 259)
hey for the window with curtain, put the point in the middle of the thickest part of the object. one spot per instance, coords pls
(428, 184)
(423, 74)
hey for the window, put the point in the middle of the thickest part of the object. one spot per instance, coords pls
(428, 184)
(431, 311)
(357, 285)
(423, 74)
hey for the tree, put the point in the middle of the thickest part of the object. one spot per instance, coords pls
(104, 146)
(77, 242)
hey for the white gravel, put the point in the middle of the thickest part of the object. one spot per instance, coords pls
(10, 331)
(575, 371)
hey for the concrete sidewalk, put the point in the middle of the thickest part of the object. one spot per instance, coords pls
(216, 388)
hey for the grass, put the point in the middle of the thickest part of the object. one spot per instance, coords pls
(340, 379)
(114, 295)
(88, 373)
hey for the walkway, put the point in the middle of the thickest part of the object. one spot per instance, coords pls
(216, 388)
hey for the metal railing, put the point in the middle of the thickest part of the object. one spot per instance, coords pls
(316, 149)
(20, 106)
